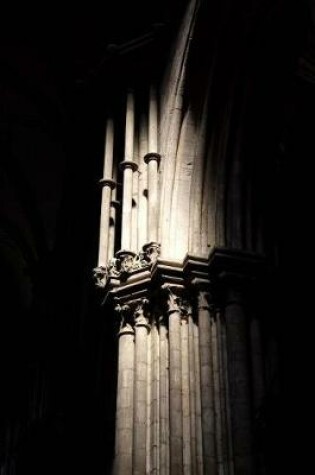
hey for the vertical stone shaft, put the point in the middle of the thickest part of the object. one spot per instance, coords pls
(112, 220)
(128, 166)
(192, 394)
(149, 405)
(153, 121)
(207, 389)
(155, 412)
(130, 126)
(108, 185)
(142, 192)
(226, 400)
(226, 433)
(152, 161)
(164, 400)
(127, 207)
(104, 225)
(199, 450)
(186, 396)
(238, 372)
(217, 391)
(124, 410)
(257, 362)
(134, 201)
(176, 411)
(140, 394)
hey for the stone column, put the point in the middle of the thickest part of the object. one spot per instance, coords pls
(187, 465)
(152, 159)
(128, 166)
(225, 399)
(114, 205)
(176, 410)
(206, 381)
(199, 450)
(164, 398)
(155, 398)
(125, 395)
(238, 375)
(140, 389)
(192, 392)
(256, 362)
(215, 335)
(153, 120)
(134, 201)
(142, 190)
(108, 184)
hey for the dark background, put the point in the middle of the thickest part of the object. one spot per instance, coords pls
(57, 344)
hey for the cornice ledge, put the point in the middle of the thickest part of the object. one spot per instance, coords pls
(227, 262)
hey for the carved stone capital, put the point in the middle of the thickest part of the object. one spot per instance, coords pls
(151, 251)
(173, 298)
(186, 310)
(140, 313)
(125, 319)
(204, 300)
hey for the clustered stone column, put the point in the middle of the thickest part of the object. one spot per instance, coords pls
(184, 379)
(183, 401)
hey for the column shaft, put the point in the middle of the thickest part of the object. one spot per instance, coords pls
(112, 220)
(192, 395)
(104, 225)
(164, 400)
(257, 362)
(124, 410)
(207, 389)
(127, 209)
(227, 399)
(186, 397)
(153, 121)
(176, 411)
(217, 395)
(149, 405)
(199, 444)
(239, 383)
(130, 126)
(140, 399)
(106, 193)
(225, 414)
(153, 200)
(143, 185)
(155, 403)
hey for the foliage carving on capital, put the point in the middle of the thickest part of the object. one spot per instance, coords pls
(124, 316)
(140, 312)
(205, 300)
(186, 310)
(173, 299)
